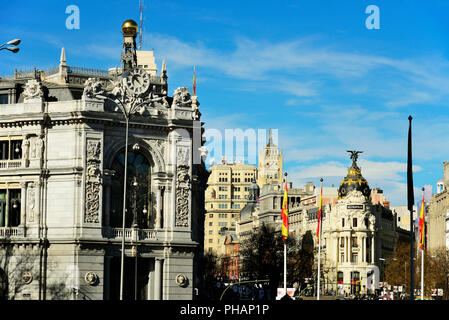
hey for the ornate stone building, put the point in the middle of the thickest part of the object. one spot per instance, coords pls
(63, 135)
(357, 236)
(270, 163)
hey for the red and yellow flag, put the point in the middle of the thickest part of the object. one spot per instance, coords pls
(421, 224)
(319, 216)
(284, 214)
(194, 82)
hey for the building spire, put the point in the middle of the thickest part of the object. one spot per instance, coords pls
(62, 60)
(270, 138)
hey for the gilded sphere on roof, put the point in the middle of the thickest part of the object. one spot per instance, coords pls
(129, 27)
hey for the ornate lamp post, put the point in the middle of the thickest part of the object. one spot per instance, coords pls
(129, 94)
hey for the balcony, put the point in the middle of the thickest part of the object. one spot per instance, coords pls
(10, 164)
(131, 234)
(6, 232)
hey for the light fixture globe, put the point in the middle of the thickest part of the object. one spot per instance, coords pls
(129, 28)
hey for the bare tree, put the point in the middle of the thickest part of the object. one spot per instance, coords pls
(20, 267)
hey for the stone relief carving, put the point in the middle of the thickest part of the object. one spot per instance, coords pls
(93, 174)
(158, 145)
(196, 114)
(31, 202)
(32, 90)
(182, 98)
(182, 196)
(92, 86)
(36, 147)
(25, 151)
(27, 277)
(182, 280)
(91, 278)
(183, 156)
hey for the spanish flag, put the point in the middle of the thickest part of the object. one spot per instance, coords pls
(319, 215)
(421, 224)
(194, 82)
(284, 214)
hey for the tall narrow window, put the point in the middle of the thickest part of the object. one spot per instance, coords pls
(10, 149)
(354, 222)
(3, 98)
(10, 207)
(342, 222)
(339, 277)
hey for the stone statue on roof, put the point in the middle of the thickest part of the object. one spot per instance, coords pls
(354, 156)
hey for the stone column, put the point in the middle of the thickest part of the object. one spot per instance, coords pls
(158, 278)
(150, 288)
(37, 201)
(362, 258)
(23, 203)
(7, 209)
(372, 249)
(337, 250)
(158, 221)
(347, 249)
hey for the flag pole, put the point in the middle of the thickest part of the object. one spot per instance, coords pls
(410, 200)
(422, 273)
(285, 268)
(421, 244)
(285, 231)
(319, 242)
(319, 271)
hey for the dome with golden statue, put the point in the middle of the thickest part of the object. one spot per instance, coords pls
(354, 180)
(130, 28)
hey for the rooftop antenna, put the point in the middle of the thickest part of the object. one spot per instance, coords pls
(140, 24)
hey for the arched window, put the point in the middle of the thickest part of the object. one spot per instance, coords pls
(139, 199)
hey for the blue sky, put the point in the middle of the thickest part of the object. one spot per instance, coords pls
(310, 69)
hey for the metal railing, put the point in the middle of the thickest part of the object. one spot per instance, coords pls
(10, 164)
(9, 231)
(88, 71)
(51, 71)
(143, 234)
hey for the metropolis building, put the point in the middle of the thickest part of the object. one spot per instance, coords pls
(63, 135)
(358, 235)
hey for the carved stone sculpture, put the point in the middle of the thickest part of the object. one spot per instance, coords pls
(181, 98)
(93, 173)
(31, 203)
(182, 196)
(32, 90)
(92, 87)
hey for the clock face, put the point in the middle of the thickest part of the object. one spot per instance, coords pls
(137, 81)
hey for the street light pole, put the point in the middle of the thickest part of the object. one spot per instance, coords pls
(124, 205)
